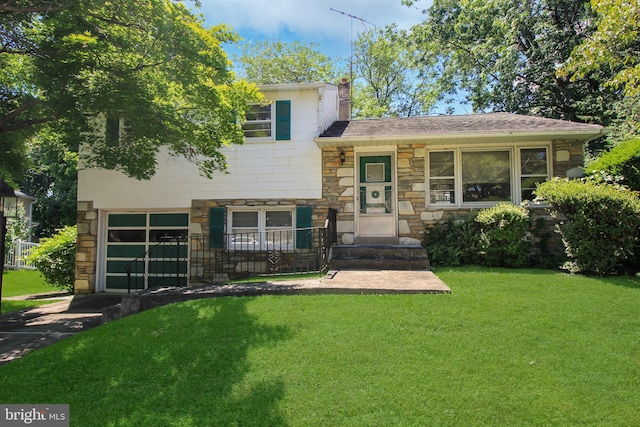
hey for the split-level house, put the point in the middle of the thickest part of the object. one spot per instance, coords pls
(379, 181)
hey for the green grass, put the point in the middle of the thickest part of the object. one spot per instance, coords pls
(506, 348)
(24, 282)
(10, 306)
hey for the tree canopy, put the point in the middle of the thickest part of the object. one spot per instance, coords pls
(504, 54)
(391, 82)
(52, 177)
(614, 46)
(613, 49)
(275, 61)
(73, 64)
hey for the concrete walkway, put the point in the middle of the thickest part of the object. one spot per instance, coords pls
(38, 327)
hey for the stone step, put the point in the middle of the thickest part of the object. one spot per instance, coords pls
(378, 257)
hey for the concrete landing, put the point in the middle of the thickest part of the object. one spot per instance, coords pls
(383, 282)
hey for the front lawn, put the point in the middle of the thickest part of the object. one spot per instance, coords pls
(23, 282)
(505, 348)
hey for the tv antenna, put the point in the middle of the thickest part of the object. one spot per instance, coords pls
(363, 21)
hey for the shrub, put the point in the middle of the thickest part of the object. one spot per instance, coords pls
(600, 225)
(623, 160)
(503, 235)
(547, 248)
(454, 241)
(55, 258)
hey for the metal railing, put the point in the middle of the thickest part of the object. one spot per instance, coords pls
(165, 264)
(178, 260)
(241, 255)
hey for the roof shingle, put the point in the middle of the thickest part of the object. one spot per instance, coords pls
(471, 124)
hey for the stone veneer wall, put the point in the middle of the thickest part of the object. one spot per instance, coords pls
(411, 191)
(337, 189)
(338, 183)
(567, 155)
(86, 245)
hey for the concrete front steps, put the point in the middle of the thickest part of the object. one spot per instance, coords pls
(378, 257)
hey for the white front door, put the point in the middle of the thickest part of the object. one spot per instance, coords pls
(375, 195)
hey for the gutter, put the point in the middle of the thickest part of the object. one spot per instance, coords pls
(435, 139)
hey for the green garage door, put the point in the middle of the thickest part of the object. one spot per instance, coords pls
(157, 242)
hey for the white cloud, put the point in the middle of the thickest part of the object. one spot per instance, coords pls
(307, 20)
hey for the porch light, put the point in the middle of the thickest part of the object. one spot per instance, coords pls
(8, 201)
(343, 157)
(8, 209)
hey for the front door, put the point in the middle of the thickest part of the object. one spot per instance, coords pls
(375, 213)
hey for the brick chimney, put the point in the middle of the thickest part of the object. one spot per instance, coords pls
(344, 99)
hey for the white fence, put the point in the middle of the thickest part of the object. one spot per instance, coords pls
(19, 250)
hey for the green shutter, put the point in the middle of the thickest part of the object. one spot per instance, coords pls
(304, 234)
(216, 228)
(113, 131)
(283, 120)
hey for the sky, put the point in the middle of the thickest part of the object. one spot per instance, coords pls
(308, 21)
(313, 21)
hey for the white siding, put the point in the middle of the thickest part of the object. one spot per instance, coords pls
(328, 108)
(257, 170)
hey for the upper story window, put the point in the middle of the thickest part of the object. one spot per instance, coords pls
(268, 122)
(482, 177)
(258, 124)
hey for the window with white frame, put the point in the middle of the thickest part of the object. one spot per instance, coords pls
(534, 169)
(442, 188)
(259, 121)
(486, 176)
(261, 229)
(477, 177)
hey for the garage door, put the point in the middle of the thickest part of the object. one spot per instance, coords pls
(152, 244)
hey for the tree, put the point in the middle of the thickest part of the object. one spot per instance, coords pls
(275, 61)
(150, 64)
(52, 179)
(392, 83)
(505, 53)
(614, 48)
